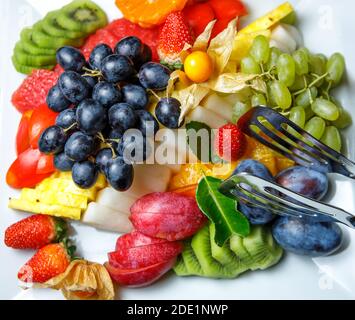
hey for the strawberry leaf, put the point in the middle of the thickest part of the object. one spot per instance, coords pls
(221, 210)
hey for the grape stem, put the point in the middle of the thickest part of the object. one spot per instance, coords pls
(70, 127)
(312, 84)
(107, 144)
(154, 94)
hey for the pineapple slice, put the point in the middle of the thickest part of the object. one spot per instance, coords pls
(38, 207)
(269, 20)
(53, 197)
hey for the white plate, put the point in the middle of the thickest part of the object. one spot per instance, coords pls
(327, 27)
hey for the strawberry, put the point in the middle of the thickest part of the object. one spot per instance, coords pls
(172, 39)
(230, 142)
(48, 262)
(35, 232)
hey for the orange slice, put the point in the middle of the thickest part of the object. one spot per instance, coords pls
(149, 13)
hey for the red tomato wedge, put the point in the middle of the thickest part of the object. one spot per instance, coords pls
(198, 16)
(228, 9)
(41, 118)
(29, 169)
(22, 137)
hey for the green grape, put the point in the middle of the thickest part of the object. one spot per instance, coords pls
(280, 94)
(332, 138)
(305, 51)
(318, 67)
(309, 113)
(299, 83)
(250, 66)
(291, 18)
(325, 109)
(323, 57)
(335, 68)
(270, 98)
(305, 98)
(301, 62)
(298, 116)
(344, 119)
(286, 69)
(275, 53)
(258, 99)
(239, 109)
(315, 127)
(260, 49)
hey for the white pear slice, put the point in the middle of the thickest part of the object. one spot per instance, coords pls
(282, 36)
(295, 33)
(149, 178)
(102, 217)
(284, 48)
(115, 200)
(218, 105)
(206, 116)
(172, 147)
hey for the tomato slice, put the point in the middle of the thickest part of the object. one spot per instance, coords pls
(41, 119)
(228, 9)
(25, 171)
(22, 137)
(45, 164)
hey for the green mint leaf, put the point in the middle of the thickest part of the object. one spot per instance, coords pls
(221, 210)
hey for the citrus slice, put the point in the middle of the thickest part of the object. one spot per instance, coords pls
(149, 13)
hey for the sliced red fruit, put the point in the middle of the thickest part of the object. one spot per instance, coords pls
(34, 89)
(228, 9)
(23, 171)
(22, 136)
(45, 164)
(139, 277)
(198, 17)
(136, 239)
(41, 118)
(167, 215)
(144, 256)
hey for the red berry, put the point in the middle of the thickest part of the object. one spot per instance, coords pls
(34, 232)
(47, 263)
(34, 89)
(173, 37)
(230, 142)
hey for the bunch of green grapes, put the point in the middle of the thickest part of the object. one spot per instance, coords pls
(298, 86)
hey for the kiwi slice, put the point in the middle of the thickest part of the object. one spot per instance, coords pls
(262, 248)
(30, 47)
(201, 245)
(27, 69)
(50, 26)
(224, 255)
(180, 268)
(42, 39)
(193, 267)
(26, 58)
(237, 246)
(82, 15)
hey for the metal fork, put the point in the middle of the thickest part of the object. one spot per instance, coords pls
(280, 134)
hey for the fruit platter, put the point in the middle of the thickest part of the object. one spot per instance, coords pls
(120, 121)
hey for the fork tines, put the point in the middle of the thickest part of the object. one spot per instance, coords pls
(282, 135)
